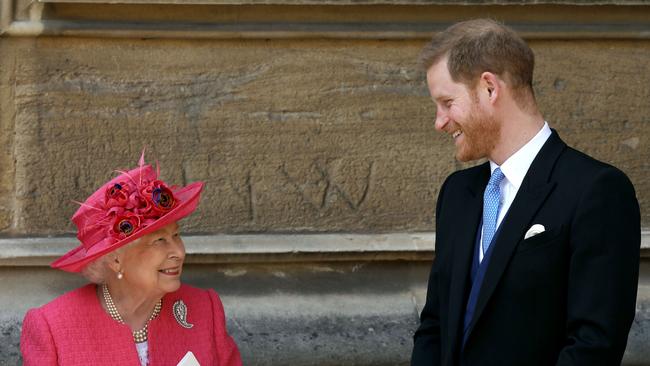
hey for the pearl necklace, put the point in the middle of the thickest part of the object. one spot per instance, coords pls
(139, 336)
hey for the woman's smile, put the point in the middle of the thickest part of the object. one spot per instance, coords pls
(174, 271)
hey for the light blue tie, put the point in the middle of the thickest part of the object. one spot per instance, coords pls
(491, 203)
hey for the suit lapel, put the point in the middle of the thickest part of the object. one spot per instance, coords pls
(469, 209)
(534, 190)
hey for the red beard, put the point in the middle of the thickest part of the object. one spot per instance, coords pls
(481, 133)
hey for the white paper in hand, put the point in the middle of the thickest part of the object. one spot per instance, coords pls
(189, 360)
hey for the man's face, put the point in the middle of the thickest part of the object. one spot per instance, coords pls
(460, 114)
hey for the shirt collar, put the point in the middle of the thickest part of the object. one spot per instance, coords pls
(516, 166)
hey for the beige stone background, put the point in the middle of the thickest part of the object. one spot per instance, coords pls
(288, 135)
(311, 126)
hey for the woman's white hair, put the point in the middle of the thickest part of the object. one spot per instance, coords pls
(98, 270)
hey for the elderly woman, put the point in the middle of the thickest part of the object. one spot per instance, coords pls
(136, 311)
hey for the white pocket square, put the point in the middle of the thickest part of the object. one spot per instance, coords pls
(534, 230)
(189, 360)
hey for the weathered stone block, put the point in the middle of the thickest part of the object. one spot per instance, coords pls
(288, 135)
(7, 79)
(596, 95)
(282, 135)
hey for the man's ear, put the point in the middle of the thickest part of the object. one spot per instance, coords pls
(490, 85)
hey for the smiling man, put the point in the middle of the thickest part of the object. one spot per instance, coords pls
(537, 250)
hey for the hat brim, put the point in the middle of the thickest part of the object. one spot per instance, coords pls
(76, 259)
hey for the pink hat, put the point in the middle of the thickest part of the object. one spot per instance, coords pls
(129, 206)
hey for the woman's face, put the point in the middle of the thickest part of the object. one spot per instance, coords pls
(154, 264)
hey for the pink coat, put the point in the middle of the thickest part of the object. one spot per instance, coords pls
(74, 329)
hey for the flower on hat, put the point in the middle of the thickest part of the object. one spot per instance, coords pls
(159, 196)
(116, 195)
(134, 204)
(125, 225)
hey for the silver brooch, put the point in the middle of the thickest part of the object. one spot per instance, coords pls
(180, 313)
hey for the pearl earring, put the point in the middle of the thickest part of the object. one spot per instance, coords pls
(120, 275)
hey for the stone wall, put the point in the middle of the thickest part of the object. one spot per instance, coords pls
(311, 126)
(288, 135)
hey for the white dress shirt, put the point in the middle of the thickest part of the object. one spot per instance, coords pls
(514, 169)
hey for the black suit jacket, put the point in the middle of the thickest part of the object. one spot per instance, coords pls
(564, 297)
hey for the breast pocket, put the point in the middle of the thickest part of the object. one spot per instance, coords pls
(541, 240)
